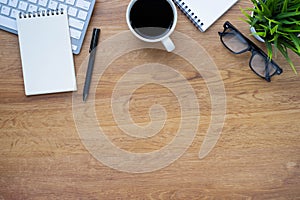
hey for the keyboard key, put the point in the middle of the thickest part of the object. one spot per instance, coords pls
(13, 3)
(82, 15)
(83, 4)
(8, 22)
(74, 47)
(14, 13)
(43, 3)
(53, 5)
(40, 9)
(5, 10)
(75, 33)
(32, 8)
(32, 1)
(70, 2)
(3, 1)
(62, 6)
(23, 5)
(72, 11)
(76, 23)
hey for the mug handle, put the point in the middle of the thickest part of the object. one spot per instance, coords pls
(169, 45)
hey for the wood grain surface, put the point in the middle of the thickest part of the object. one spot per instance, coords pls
(257, 156)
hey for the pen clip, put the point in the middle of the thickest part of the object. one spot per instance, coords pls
(95, 38)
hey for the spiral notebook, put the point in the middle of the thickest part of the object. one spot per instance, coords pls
(204, 13)
(46, 52)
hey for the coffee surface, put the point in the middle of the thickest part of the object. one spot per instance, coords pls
(151, 19)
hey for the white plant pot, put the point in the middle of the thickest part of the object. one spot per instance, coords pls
(253, 31)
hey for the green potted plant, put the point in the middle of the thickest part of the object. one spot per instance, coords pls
(277, 22)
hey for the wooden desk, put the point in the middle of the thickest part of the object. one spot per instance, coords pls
(257, 155)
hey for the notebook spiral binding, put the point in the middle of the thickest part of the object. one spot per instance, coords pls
(189, 13)
(41, 13)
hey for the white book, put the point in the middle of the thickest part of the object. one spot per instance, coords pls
(46, 52)
(204, 13)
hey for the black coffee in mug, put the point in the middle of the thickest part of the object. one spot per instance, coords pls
(151, 19)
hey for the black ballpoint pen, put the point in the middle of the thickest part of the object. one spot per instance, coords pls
(92, 51)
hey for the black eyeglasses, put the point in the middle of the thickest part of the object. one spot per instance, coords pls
(259, 62)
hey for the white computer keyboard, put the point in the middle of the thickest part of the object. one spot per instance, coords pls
(79, 12)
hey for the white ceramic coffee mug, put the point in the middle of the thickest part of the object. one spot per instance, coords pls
(165, 37)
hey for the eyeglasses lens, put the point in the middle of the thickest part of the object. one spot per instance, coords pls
(234, 41)
(259, 65)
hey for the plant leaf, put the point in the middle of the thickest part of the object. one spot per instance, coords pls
(269, 49)
(290, 22)
(284, 52)
(296, 41)
(274, 29)
(284, 7)
(289, 14)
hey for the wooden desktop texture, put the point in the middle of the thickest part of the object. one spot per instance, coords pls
(256, 157)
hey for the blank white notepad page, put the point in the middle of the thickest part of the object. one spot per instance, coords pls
(204, 13)
(46, 53)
